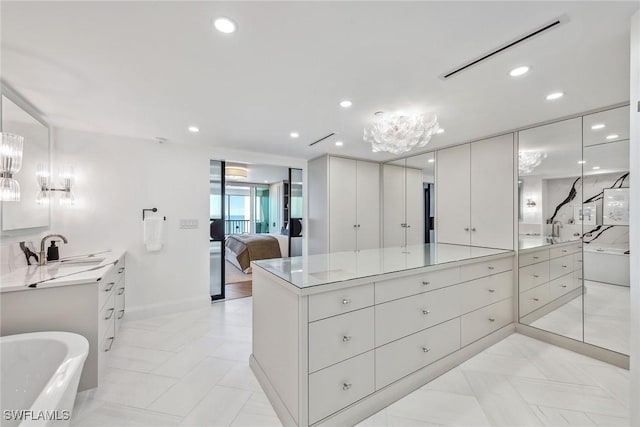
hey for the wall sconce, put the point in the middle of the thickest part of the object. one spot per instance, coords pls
(10, 164)
(531, 203)
(65, 177)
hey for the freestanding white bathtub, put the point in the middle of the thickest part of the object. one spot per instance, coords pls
(40, 374)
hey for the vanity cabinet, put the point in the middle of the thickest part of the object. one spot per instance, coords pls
(475, 188)
(347, 349)
(344, 201)
(403, 210)
(94, 309)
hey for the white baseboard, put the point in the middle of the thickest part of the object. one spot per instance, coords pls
(152, 310)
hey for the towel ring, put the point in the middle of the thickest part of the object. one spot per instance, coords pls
(164, 218)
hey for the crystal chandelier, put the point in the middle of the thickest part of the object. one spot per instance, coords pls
(529, 160)
(10, 164)
(398, 133)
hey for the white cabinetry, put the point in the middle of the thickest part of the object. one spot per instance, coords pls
(475, 187)
(344, 205)
(403, 207)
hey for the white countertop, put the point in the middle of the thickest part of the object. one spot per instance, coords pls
(314, 270)
(60, 273)
(531, 242)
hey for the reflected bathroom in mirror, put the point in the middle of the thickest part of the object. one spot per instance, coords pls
(26, 213)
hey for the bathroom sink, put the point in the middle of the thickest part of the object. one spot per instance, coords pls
(77, 262)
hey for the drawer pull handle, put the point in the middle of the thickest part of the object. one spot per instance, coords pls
(491, 290)
(564, 250)
(426, 283)
(120, 270)
(109, 286)
(492, 319)
(110, 344)
(120, 291)
(535, 276)
(346, 386)
(110, 315)
(346, 301)
(536, 299)
(346, 338)
(491, 268)
(564, 286)
(121, 315)
(564, 266)
(425, 312)
(426, 349)
(535, 257)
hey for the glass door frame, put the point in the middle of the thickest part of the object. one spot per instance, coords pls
(221, 295)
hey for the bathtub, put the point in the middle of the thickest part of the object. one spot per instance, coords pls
(40, 374)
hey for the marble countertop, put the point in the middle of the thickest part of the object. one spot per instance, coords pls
(74, 270)
(315, 270)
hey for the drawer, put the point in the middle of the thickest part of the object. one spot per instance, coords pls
(480, 323)
(399, 318)
(338, 338)
(533, 299)
(565, 250)
(106, 290)
(560, 266)
(577, 261)
(562, 286)
(402, 357)
(120, 304)
(341, 301)
(106, 317)
(485, 268)
(340, 385)
(533, 257)
(533, 275)
(487, 290)
(107, 341)
(388, 290)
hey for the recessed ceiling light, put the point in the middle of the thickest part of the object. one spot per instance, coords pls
(582, 162)
(595, 168)
(431, 160)
(224, 25)
(613, 136)
(519, 71)
(555, 95)
(339, 143)
(294, 134)
(265, 181)
(440, 130)
(598, 126)
(193, 129)
(346, 103)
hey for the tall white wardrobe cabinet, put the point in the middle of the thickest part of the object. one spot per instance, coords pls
(403, 206)
(344, 205)
(475, 193)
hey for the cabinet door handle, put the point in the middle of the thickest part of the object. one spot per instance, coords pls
(426, 283)
(426, 349)
(358, 225)
(110, 344)
(491, 290)
(120, 291)
(408, 225)
(346, 301)
(110, 315)
(492, 319)
(120, 270)
(121, 314)
(346, 386)
(109, 286)
(473, 229)
(466, 229)
(355, 225)
(425, 311)
(346, 338)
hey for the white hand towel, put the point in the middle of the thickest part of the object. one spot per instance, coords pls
(153, 228)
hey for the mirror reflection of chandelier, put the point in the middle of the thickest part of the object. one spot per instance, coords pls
(399, 133)
(235, 172)
(529, 160)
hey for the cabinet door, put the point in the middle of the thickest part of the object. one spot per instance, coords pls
(393, 205)
(368, 205)
(492, 179)
(453, 199)
(414, 202)
(342, 204)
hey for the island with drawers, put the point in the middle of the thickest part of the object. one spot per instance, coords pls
(338, 337)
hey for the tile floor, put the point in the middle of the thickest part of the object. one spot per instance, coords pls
(191, 369)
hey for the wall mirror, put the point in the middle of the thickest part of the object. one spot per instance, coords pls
(573, 228)
(409, 201)
(26, 213)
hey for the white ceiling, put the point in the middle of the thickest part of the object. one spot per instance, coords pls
(149, 69)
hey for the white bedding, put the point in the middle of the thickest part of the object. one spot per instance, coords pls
(283, 241)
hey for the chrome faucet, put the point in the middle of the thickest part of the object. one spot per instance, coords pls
(555, 228)
(43, 255)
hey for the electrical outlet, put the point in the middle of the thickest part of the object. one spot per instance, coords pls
(188, 223)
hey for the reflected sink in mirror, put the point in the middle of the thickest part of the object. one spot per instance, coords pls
(88, 261)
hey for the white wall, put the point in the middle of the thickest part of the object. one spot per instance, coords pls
(634, 97)
(116, 177)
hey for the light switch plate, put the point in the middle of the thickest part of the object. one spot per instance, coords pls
(188, 223)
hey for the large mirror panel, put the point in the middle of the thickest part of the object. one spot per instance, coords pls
(606, 229)
(26, 213)
(550, 190)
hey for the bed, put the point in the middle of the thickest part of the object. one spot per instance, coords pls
(241, 249)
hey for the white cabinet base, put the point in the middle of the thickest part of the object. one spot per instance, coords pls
(384, 397)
